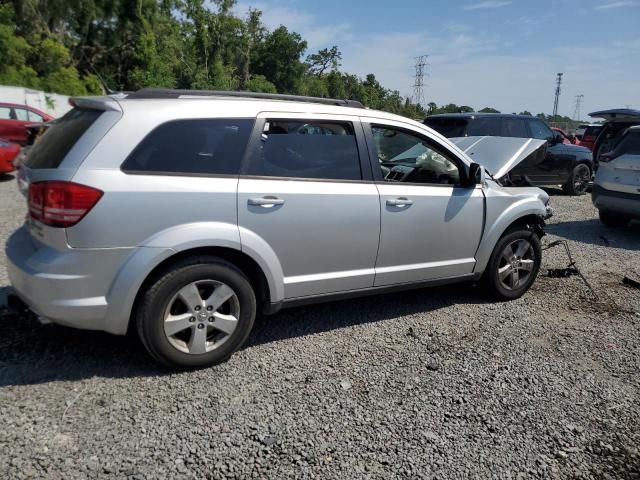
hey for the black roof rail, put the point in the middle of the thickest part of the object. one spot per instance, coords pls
(146, 93)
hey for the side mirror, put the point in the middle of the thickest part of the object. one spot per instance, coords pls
(476, 175)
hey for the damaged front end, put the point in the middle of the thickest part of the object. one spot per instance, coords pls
(507, 159)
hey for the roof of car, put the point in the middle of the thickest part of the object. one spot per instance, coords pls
(624, 112)
(18, 105)
(476, 114)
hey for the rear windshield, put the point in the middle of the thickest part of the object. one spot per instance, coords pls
(449, 127)
(50, 150)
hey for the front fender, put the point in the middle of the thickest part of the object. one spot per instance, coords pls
(504, 207)
(146, 257)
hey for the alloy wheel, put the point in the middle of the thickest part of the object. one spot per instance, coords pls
(201, 316)
(516, 264)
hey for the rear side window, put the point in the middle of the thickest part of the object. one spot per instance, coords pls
(201, 146)
(307, 149)
(485, 126)
(448, 127)
(630, 144)
(50, 150)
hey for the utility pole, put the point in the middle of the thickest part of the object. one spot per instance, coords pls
(555, 103)
(576, 112)
(418, 85)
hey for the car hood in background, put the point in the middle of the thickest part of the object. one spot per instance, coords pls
(498, 155)
(618, 115)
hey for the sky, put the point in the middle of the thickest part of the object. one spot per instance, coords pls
(499, 53)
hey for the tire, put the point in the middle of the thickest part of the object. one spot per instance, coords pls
(177, 335)
(505, 288)
(578, 182)
(611, 219)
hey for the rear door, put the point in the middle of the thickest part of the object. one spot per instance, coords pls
(430, 224)
(305, 189)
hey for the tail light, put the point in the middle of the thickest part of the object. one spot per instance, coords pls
(588, 138)
(61, 204)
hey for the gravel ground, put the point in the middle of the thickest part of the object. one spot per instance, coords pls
(435, 383)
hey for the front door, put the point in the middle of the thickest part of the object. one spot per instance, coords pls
(430, 225)
(303, 191)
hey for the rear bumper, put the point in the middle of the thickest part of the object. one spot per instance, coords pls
(618, 202)
(67, 287)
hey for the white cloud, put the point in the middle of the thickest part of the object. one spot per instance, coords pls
(317, 36)
(608, 6)
(487, 4)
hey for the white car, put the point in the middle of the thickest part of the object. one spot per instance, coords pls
(616, 190)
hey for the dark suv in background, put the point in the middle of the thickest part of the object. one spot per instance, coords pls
(568, 165)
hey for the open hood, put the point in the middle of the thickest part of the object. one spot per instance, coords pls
(498, 155)
(618, 115)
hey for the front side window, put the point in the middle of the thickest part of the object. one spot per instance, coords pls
(312, 149)
(201, 146)
(406, 157)
(540, 131)
(34, 117)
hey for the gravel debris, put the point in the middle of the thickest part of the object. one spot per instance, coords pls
(435, 383)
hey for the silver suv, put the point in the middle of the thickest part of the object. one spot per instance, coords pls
(184, 214)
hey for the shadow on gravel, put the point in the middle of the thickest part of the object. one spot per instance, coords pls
(302, 321)
(595, 233)
(5, 177)
(31, 353)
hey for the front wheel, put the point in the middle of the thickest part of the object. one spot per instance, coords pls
(514, 265)
(197, 314)
(578, 182)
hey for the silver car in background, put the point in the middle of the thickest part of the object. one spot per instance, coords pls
(183, 214)
(616, 188)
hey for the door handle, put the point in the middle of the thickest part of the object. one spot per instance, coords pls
(266, 202)
(399, 202)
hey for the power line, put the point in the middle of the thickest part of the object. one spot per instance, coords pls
(576, 111)
(418, 85)
(558, 90)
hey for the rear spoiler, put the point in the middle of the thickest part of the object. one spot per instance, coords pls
(96, 103)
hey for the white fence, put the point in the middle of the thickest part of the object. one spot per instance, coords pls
(51, 103)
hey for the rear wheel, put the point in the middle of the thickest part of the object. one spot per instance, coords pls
(197, 314)
(578, 182)
(611, 219)
(514, 264)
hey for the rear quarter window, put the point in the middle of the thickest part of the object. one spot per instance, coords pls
(199, 146)
(59, 139)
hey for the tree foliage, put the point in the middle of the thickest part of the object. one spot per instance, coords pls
(72, 46)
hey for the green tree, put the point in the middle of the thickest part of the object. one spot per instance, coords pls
(489, 110)
(326, 60)
(278, 59)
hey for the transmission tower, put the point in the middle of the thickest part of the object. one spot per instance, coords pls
(418, 85)
(576, 112)
(555, 103)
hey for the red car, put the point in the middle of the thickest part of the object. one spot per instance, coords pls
(8, 152)
(14, 118)
(566, 138)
